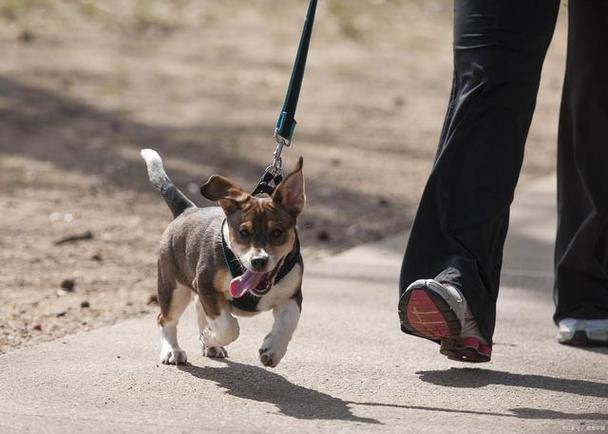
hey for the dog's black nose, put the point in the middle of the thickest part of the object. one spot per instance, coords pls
(259, 262)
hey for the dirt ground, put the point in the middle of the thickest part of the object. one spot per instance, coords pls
(84, 85)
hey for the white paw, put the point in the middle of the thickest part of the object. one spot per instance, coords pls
(215, 352)
(169, 356)
(220, 336)
(271, 352)
(212, 351)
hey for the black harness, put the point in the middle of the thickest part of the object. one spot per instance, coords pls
(249, 301)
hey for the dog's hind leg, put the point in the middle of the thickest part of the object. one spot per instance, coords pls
(173, 299)
(274, 347)
(208, 351)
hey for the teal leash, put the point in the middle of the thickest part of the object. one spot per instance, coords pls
(286, 122)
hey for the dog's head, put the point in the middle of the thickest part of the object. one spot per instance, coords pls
(261, 229)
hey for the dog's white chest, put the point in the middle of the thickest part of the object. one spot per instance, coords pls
(283, 290)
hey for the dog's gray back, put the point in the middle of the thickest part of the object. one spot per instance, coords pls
(192, 245)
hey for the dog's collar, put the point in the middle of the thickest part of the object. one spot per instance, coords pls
(237, 269)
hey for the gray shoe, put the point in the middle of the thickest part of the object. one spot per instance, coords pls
(438, 311)
(583, 332)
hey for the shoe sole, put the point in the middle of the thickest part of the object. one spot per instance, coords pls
(425, 313)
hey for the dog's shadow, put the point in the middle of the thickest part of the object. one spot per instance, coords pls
(259, 384)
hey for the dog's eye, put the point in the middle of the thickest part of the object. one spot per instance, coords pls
(276, 233)
(244, 233)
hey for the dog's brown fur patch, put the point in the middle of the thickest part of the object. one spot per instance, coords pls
(213, 303)
(220, 280)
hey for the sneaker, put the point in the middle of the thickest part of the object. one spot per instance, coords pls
(583, 332)
(439, 312)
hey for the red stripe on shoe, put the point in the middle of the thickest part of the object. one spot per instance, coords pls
(424, 316)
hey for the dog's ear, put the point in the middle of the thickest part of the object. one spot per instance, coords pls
(290, 192)
(222, 190)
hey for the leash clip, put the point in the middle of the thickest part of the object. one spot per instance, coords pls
(277, 161)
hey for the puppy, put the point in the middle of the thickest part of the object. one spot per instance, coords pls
(240, 258)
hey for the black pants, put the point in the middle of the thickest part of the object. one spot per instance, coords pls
(461, 224)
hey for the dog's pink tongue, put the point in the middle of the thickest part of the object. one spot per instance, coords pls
(240, 285)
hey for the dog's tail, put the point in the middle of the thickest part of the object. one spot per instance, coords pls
(177, 201)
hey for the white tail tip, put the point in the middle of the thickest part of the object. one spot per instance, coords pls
(150, 155)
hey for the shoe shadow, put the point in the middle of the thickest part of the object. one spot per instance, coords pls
(537, 413)
(520, 413)
(599, 348)
(475, 377)
(258, 384)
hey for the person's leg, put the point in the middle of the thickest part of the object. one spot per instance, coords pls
(460, 227)
(581, 250)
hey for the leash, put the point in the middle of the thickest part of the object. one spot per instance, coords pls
(286, 122)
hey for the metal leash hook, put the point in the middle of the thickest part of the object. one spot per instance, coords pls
(277, 161)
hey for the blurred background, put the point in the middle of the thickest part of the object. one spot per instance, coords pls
(84, 85)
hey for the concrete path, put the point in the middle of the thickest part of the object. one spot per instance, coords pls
(349, 368)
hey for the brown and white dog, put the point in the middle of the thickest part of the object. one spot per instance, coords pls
(202, 248)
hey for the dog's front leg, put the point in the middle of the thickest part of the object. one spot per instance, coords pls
(274, 347)
(221, 327)
(203, 325)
